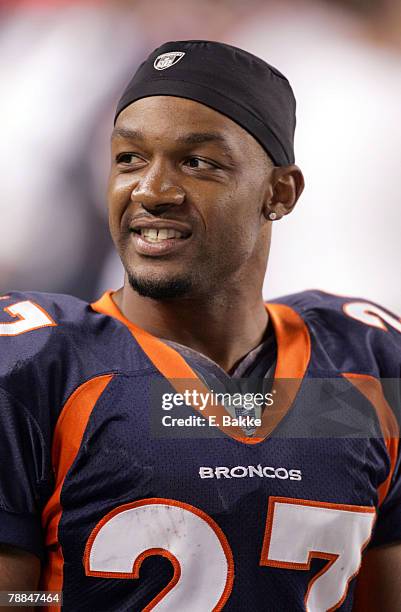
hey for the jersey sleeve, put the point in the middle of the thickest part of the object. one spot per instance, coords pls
(49, 346)
(364, 338)
(384, 341)
(25, 476)
(378, 334)
(25, 430)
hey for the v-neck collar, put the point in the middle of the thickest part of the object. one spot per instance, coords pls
(293, 356)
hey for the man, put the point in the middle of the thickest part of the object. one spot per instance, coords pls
(130, 504)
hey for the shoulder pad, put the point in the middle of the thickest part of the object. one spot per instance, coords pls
(50, 344)
(357, 334)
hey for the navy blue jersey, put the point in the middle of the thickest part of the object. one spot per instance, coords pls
(128, 513)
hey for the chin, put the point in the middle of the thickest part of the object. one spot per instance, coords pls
(160, 288)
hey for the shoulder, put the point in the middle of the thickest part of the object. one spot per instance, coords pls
(22, 313)
(51, 344)
(357, 334)
(317, 303)
(32, 323)
(30, 320)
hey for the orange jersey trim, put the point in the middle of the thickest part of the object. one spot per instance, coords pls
(371, 388)
(67, 440)
(293, 357)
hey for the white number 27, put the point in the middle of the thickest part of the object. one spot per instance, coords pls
(296, 531)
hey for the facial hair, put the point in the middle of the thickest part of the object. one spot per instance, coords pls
(158, 289)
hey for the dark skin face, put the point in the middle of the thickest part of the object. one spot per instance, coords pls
(177, 164)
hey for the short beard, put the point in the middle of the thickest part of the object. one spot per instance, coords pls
(160, 289)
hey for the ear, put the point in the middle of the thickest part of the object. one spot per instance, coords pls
(287, 184)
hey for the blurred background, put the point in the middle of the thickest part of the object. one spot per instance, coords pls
(63, 65)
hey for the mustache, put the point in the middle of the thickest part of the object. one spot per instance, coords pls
(129, 219)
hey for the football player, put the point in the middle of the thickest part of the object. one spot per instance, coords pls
(123, 483)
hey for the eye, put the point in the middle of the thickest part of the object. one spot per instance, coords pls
(200, 164)
(128, 159)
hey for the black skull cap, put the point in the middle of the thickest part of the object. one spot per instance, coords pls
(229, 80)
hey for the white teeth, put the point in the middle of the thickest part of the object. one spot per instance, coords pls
(154, 235)
(162, 234)
(149, 234)
(175, 234)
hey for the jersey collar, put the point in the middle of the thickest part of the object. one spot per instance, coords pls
(293, 356)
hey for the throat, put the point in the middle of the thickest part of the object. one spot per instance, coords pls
(223, 335)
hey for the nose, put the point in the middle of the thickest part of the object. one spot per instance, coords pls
(156, 188)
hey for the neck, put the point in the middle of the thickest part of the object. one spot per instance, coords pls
(224, 327)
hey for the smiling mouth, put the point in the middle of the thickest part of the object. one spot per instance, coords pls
(159, 235)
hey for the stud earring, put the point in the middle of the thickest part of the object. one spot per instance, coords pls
(272, 216)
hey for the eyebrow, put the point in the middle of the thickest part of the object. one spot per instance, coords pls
(126, 133)
(187, 139)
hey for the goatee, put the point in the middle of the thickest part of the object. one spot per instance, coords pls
(160, 289)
